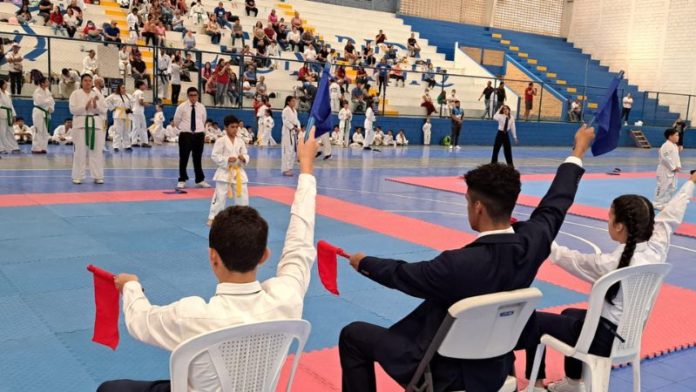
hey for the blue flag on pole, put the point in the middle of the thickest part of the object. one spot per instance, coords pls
(320, 114)
(607, 120)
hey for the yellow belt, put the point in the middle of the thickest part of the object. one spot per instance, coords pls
(234, 170)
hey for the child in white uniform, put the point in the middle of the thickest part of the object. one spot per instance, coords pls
(22, 133)
(157, 127)
(230, 155)
(427, 126)
(63, 133)
(389, 139)
(139, 136)
(7, 115)
(401, 139)
(358, 138)
(41, 116)
(644, 239)
(667, 169)
(245, 134)
(345, 117)
(379, 137)
(121, 103)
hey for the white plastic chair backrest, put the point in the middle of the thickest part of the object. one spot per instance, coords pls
(640, 285)
(246, 357)
(490, 325)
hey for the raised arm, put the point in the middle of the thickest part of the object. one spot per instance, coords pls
(667, 221)
(586, 266)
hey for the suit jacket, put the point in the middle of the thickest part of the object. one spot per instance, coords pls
(492, 263)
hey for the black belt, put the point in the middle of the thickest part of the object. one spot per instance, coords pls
(611, 327)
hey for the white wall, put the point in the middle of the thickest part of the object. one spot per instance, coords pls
(652, 40)
(531, 16)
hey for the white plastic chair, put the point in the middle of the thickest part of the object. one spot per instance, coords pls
(481, 327)
(639, 286)
(247, 358)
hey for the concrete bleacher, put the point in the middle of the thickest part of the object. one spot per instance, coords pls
(552, 60)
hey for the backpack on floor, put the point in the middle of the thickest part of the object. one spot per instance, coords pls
(446, 141)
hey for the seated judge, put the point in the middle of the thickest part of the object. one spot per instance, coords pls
(238, 246)
(504, 257)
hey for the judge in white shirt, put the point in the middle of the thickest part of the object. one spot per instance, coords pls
(44, 105)
(63, 133)
(288, 138)
(190, 118)
(238, 246)
(90, 64)
(506, 125)
(643, 238)
(88, 109)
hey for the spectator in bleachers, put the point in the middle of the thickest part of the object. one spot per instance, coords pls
(71, 22)
(294, 39)
(273, 51)
(323, 54)
(529, 93)
(273, 19)
(442, 102)
(190, 63)
(90, 64)
(262, 59)
(307, 40)
(413, 47)
(282, 36)
(486, 93)
(91, 32)
(258, 35)
(197, 12)
(189, 40)
(112, 33)
(212, 29)
(270, 32)
(57, 22)
(248, 90)
(139, 69)
(310, 57)
(250, 74)
(45, 9)
(178, 23)
(357, 97)
(222, 77)
(390, 53)
(206, 72)
(398, 74)
(23, 14)
(233, 93)
(261, 88)
(500, 96)
(341, 76)
(427, 103)
(175, 74)
(124, 61)
(575, 112)
(69, 79)
(133, 22)
(452, 98)
(220, 12)
(627, 104)
(250, 6)
(149, 31)
(161, 33)
(382, 72)
(429, 76)
(306, 75)
(237, 32)
(361, 77)
(368, 54)
(246, 51)
(380, 38)
(296, 22)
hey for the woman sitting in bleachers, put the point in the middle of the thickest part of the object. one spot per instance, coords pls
(91, 32)
(149, 33)
(250, 6)
(212, 29)
(294, 40)
(296, 22)
(258, 35)
(273, 19)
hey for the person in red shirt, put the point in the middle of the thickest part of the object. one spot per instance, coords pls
(529, 94)
(56, 22)
(222, 77)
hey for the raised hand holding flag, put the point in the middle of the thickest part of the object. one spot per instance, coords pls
(607, 120)
(320, 114)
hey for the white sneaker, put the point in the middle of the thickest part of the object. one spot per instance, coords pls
(76, 182)
(567, 385)
(181, 185)
(99, 181)
(451, 147)
(458, 148)
(202, 184)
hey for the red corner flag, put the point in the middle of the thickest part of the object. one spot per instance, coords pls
(326, 256)
(106, 301)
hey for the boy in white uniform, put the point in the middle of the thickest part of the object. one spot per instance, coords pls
(336, 140)
(89, 112)
(171, 134)
(63, 133)
(245, 134)
(139, 135)
(389, 139)
(335, 94)
(358, 138)
(121, 104)
(369, 130)
(230, 155)
(41, 116)
(7, 115)
(401, 139)
(22, 133)
(427, 126)
(379, 137)
(667, 169)
(157, 127)
(344, 117)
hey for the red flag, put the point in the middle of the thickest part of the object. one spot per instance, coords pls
(326, 257)
(106, 301)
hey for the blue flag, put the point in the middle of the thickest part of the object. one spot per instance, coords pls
(320, 115)
(607, 120)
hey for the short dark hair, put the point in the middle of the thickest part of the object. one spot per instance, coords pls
(669, 132)
(192, 90)
(239, 235)
(230, 119)
(19, 119)
(496, 186)
(139, 83)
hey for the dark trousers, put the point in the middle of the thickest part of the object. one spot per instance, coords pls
(381, 82)
(135, 386)
(176, 89)
(249, 10)
(16, 82)
(456, 129)
(356, 348)
(624, 114)
(566, 327)
(191, 144)
(235, 37)
(502, 139)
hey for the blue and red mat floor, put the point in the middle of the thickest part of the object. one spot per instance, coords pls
(50, 230)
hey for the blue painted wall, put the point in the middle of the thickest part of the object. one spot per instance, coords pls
(474, 132)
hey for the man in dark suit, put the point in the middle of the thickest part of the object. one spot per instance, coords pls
(503, 258)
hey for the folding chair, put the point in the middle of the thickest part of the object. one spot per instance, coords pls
(481, 327)
(639, 286)
(247, 358)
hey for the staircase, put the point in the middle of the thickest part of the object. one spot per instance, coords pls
(639, 138)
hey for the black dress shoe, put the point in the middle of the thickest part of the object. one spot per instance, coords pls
(327, 157)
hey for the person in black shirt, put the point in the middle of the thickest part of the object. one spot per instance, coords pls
(45, 8)
(250, 6)
(500, 96)
(413, 47)
(139, 71)
(680, 126)
(487, 92)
